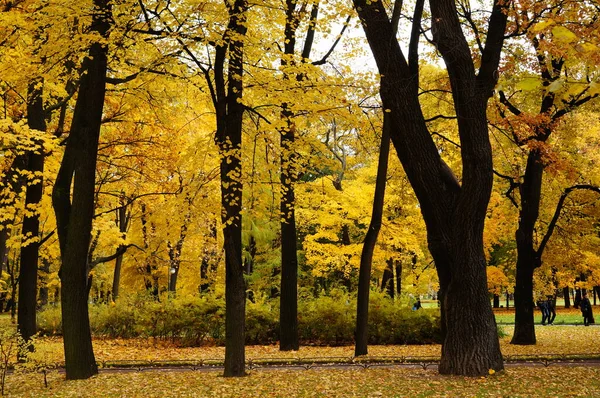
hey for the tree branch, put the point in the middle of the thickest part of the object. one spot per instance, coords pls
(558, 210)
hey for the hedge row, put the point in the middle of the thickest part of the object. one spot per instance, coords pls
(192, 321)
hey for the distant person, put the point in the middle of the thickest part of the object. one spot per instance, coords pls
(586, 310)
(417, 305)
(543, 306)
(551, 305)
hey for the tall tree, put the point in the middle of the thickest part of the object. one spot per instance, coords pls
(366, 258)
(28, 276)
(454, 212)
(74, 216)
(562, 86)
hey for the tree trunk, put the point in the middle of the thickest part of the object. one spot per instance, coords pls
(74, 220)
(122, 221)
(366, 258)
(44, 270)
(567, 297)
(28, 276)
(524, 333)
(117, 277)
(288, 312)
(398, 278)
(230, 112)
(454, 212)
(527, 257)
(496, 301)
(387, 280)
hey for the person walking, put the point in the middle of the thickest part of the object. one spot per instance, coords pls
(586, 310)
(543, 306)
(551, 305)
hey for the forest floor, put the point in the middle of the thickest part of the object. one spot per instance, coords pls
(544, 375)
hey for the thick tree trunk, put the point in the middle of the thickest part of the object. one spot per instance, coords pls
(366, 258)
(454, 212)
(28, 276)
(74, 220)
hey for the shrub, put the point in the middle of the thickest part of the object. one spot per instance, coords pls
(49, 321)
(262, 322)
(191, 321)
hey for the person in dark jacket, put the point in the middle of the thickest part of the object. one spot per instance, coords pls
(543, 306)
(551, 304)
(586, 310)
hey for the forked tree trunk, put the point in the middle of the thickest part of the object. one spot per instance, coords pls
(454, 212)
(74, 219)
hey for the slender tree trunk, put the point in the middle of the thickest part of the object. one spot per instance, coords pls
(567, 297)
(366, 258)
(44, 270)
(496, 301)
(117, 278)
(398, 278)
(74, 220)
(122, 221)
(28, 277)
(387, 280)
(229, 140)
(527, 257)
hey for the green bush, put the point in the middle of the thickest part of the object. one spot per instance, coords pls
(328, 320)
(262, 322)
(113, 320)
(191, 321)
(49, 321)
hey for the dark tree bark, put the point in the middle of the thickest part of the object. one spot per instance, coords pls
(249, 260)
(496, 303)
(28, 276)
(74, 219)
(288, 299)
(229, 140)
(44, 270)
(398, 277)
(387, 280)
(122, 221)
(454, 213)
(567, 297)
(366, 258)
(175, 251)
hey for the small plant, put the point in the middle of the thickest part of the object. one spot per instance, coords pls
(36, 358)
(10, 344)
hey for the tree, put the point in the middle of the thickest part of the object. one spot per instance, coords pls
(555, 49)
(454, 212)
(74, 217)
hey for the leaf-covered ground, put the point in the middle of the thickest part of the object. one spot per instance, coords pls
(557, 340)
(555, 380)
(355, 382)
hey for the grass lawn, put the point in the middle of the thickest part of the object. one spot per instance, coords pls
(555, 381)
(564, 316)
